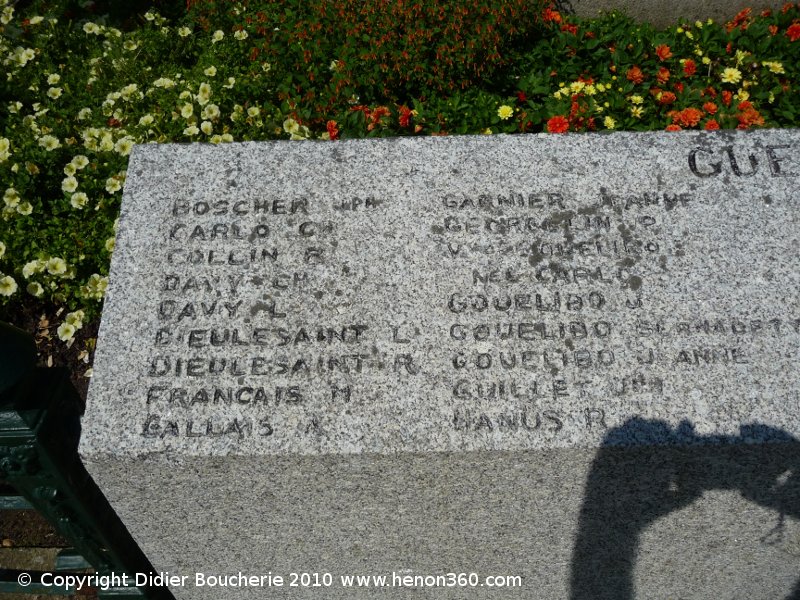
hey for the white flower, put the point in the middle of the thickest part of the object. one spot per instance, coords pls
(5, 149)
(49, 142)
(191, 130)
(35, 288)
(79, 161)
(110, 244)
(240, 35)
(25, 208)
(84, 113)
(218, 35)
(215, 139)
(69, 184)
(11, 198)
(164, 82)
(150, 15)
(2, 249)
(211, 111)
(69, 169)
(124, 146)
(210, 71)
(231, 82)
(146, 120)
(113, 185)
(184, 31)
(32, 267)
(130, 45)
(53, 78)
(253, 111)
(54, 92)
(227, 137)
(35, 20)
(56, 266)
(7, 285)
(65, 332)
(187, 110)
(206, 127)
(291, 126)
(7, 15)
(203, 93)
(79, 200)
(92, 28)
(75, 319)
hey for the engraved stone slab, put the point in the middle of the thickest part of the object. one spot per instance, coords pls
(324, 357)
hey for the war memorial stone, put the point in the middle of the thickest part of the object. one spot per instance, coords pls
(567, 359)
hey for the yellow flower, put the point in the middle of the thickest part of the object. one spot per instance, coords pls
(487, 131)
(609, 123)
(742, 95)
(505, 112)
(731, 75)
(775, 67)
(110, 244)
(637, 111)
(7, 285)
(706, 60)
(636, 99)
(576, 86)
(290, 126)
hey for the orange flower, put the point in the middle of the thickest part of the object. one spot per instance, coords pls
(710, 108)
(711, 124)
(557, 124)
(635, 75)
(689, 67)
(551, 15)
(793, 32)
(727, 96)
(666, 98)
(570, 28)
(673, 127)
(663, 52)
(749, 117)
(662, 76)
(773, 29)
(688, 117)
(333, 130)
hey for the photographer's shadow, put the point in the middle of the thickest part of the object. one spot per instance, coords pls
(646, 469)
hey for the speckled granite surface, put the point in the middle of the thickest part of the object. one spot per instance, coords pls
(323, 354)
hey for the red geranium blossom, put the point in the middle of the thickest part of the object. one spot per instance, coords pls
(557, 124)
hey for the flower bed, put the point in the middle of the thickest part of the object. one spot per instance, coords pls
(79, 93)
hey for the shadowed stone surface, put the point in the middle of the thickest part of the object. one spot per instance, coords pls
(567, 358)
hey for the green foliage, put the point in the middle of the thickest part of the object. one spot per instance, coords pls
(79, 93)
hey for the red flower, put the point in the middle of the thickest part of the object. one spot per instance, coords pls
(666, 98)
(793, 32)
(710, 108)
(570, 28)
(405, 116)
(333, 131)
(711, 124)
(773, 29)
(729, 47)
(635, 75)
(787, 7)
(727, 96)
(557, 124)
(521, 96)
(678, 87)
(663, 52)
(749, 117)
(745, 105)
(689, 67)
(673, 127)
(662, 76)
